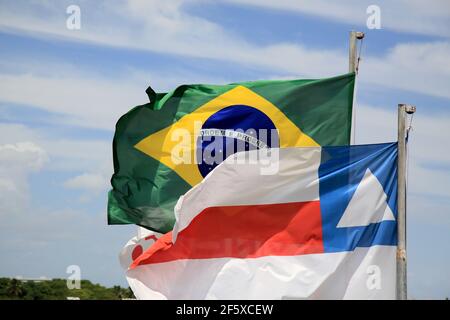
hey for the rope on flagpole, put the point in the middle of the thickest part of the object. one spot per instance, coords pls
(409, 128)
(361, 38)
(353, 67)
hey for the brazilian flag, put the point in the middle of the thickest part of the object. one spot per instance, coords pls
(163, 148)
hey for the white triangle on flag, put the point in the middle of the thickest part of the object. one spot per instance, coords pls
(368, 204)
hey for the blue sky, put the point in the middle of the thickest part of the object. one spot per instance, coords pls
(62, 91)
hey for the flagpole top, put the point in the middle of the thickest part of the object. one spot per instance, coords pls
(409, 108)
(359, 35)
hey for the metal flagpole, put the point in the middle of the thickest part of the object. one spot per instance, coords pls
(403, 110)
(352, 67)
(352, 52)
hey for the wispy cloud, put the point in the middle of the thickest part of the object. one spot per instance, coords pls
(82, 96)
(165, 27)
(91, 184)
(65, 154)
(428, 135)
(416, 67)
(416, 16)
(88, 102)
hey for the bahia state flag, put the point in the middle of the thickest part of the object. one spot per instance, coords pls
(163, 148)
(322, 225)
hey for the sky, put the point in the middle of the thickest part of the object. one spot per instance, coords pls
(63, 89)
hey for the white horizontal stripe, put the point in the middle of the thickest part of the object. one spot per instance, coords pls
(295, 180)
(366, 273)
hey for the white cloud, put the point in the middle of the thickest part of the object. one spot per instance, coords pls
(90, 182)
(17, 162)
(11, 133)
(22, 156)
(87, 101)
(89, 161)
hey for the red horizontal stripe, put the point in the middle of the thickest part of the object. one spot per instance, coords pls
(248, 231)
